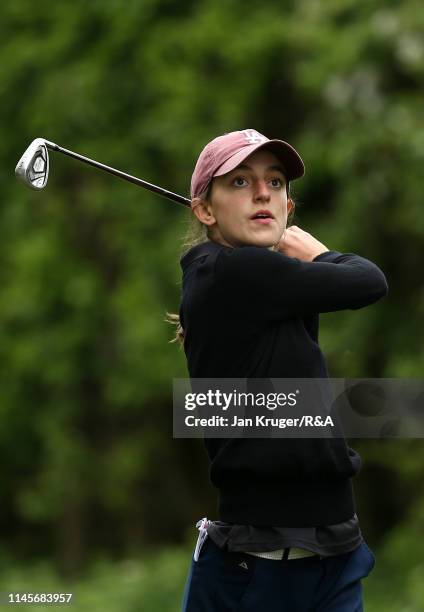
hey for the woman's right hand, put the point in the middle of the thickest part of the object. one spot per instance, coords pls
(295, 242)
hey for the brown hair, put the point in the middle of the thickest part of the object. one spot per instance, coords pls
(197, 233)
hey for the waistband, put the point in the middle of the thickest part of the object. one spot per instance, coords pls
(275, 555)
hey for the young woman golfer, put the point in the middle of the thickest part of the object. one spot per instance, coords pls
(287, 538)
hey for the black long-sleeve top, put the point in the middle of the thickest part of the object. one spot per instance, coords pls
(250, 312)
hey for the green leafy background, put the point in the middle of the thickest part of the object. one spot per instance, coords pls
(96, 495)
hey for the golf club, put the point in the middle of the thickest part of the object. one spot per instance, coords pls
(33, 169)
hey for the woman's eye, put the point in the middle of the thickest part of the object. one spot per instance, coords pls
(239, 181)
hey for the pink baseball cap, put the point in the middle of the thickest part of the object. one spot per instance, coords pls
(226, 152)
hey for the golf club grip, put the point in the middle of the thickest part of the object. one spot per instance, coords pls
(123, 175)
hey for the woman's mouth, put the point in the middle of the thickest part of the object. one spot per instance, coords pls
(263, 220)
(262, 217)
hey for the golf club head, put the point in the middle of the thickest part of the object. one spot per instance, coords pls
(33, 167)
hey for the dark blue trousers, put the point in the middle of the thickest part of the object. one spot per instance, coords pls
(222, 581)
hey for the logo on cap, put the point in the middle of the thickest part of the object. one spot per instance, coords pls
(252, 136)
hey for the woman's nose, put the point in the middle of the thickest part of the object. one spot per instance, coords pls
(262, 191)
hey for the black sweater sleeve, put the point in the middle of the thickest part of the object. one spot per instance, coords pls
(273, 286)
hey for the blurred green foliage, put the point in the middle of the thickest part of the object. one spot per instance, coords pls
(154, 583)
(90, 265)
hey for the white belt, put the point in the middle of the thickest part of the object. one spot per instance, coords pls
(277, 555)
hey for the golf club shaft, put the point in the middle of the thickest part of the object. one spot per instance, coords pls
(123, 175)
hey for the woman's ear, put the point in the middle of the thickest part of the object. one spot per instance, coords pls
(290, 206)
(203, 211)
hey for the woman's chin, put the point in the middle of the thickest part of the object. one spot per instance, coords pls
(264, 241)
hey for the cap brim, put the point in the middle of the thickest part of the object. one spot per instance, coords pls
(288, 156)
